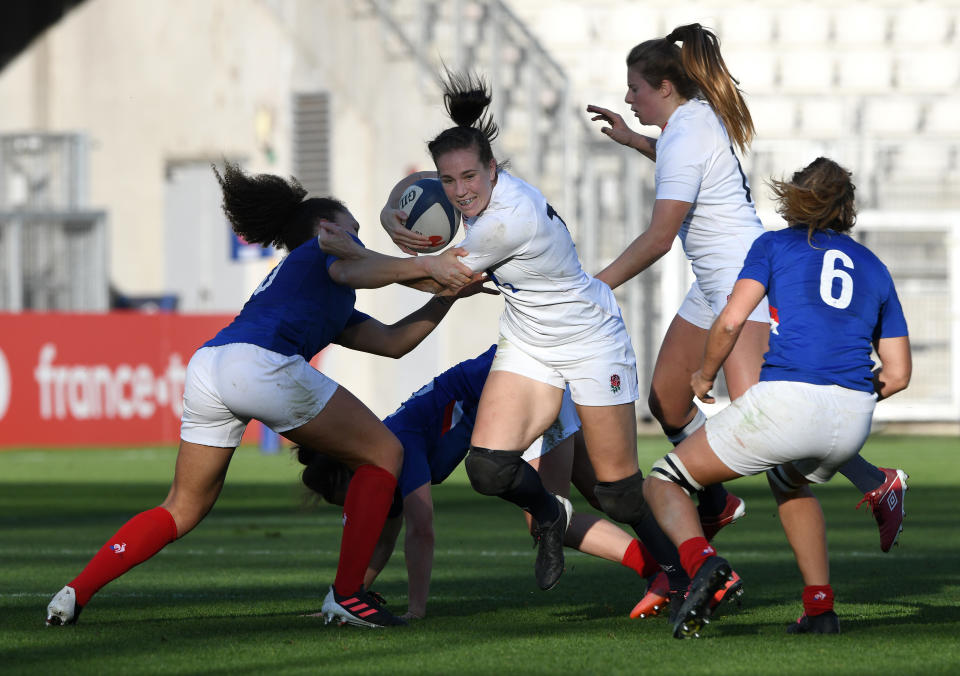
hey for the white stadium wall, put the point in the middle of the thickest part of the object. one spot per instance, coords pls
(159, 86)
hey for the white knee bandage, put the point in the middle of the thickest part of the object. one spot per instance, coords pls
(669, 468)
(689, 428)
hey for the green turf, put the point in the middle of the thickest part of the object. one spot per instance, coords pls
(230, 597)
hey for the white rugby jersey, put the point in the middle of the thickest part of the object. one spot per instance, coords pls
(525, 246)
(696, 163)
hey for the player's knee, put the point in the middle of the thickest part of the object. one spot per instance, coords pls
(670, 408)
(493, 472)
(623, 500)
(671, 468)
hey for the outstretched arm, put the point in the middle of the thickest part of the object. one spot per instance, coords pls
(747, 294)
(650, 246)
(622, 134)
(396, 340)
(383, 550)
(363, 268)
(418, 549)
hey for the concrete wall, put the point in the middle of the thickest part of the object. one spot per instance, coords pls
(156, 84)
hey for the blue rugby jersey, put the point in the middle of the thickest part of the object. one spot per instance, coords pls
(829, 300)
(297, 308)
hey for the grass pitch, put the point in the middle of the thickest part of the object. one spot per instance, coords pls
(231, 596)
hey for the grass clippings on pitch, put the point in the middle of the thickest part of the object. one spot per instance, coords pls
(231, 597)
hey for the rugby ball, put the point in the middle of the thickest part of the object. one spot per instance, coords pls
(430, 213)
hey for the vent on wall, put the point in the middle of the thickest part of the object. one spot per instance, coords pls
(311, 141)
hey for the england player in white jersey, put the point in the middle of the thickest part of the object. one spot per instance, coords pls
(703, 197)
(560, 326)
(836, 302)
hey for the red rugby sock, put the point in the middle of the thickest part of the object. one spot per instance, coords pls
(693, 553)
(638, 558)
(364, 512)
(817, 599)
(137, 540)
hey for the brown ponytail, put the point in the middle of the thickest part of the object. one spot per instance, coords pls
(696, 68)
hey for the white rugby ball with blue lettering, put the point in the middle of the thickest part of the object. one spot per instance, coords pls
(430, 213)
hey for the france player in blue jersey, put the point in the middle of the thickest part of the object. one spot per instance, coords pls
(257, 368)
(833, 302)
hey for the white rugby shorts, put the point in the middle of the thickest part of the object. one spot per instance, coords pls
(565, 426)
(228, 385)
(600, 372)
(701, 309)
(815, 427)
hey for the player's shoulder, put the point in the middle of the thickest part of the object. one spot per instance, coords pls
(514, 203)
(692, 130)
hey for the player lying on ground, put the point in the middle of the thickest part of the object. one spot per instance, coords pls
(435, 425)
(257, 367)
(812, 409)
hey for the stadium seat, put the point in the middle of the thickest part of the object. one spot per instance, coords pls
(773, 116)
(756, 70)
(806, 72)
(925, 23)
(746, 25)
(803, 24)
(568, 25)
(928, 70)
(865, 71)
(943, 117)
(860, 24)
(626, 26)
(887, 115)
(824, 117)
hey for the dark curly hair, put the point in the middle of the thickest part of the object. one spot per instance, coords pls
(818, 197)
(266, 209)
(323, 475)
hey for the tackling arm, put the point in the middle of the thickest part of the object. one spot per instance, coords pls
(650, 246)
(747, 294)
(418, 549)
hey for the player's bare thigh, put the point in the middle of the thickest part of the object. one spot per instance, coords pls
(742, 367)
(350, 432)
(513, 411)
(610, 436)
(671, 399)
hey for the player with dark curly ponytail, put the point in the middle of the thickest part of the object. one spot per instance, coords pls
(258, 367)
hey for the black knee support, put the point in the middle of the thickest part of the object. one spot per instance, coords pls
(493, 472)
(623, 500)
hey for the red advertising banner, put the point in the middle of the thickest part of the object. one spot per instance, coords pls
(87, 379)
